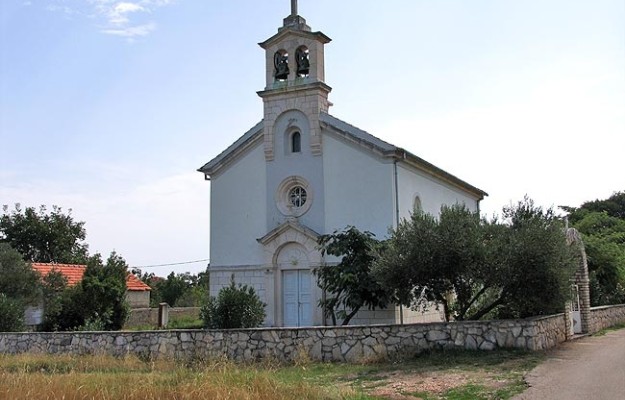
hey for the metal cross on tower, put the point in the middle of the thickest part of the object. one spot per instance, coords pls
(293, 7)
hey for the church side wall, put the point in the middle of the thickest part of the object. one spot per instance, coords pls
(432, 193)
(238, 212)
(358, 187)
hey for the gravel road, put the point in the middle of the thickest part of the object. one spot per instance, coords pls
(591, 368)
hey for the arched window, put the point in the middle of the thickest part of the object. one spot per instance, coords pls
(296, 142)
(416, 207)
(302, 57)
(281, 65)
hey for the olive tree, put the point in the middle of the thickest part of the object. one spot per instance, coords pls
(476, 268)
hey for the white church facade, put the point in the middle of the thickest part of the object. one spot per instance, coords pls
(301, 172)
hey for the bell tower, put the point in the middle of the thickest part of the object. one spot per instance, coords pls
(294, 64)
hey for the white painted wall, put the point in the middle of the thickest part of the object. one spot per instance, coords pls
(433, 192)
(238, 211)
(358, 187)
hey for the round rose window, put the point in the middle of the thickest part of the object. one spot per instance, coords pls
(297, 196)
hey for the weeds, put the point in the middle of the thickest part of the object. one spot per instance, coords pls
(467, 375)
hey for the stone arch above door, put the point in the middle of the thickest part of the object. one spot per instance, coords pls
(292, 255)
(287, 233)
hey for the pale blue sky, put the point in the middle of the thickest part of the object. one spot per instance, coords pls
(108, 107)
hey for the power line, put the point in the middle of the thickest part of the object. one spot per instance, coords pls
(170, 264)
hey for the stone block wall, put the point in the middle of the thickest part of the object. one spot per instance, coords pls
(606, 316)
(352, 343)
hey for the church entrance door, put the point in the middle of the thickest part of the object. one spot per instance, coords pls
(297, 298)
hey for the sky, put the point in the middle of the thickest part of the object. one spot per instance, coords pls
(109, 107)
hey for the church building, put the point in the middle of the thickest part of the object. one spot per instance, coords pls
(300, 173)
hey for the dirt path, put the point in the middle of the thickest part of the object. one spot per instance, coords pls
(589, 368)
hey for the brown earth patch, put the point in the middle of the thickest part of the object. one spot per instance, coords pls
(406, 385)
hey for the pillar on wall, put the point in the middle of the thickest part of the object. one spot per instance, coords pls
(581, 278)
(163, 315)
(568, 326)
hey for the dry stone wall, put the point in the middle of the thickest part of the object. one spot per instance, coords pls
(353, 343)
(606, 316)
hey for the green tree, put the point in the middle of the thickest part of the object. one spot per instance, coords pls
(53, 286)
(613, 206)
(12, 312)
(349, 285)
(104, 291)
(602, 224)
(177, 290)
(19, 287)
(476, 268)
(540, 265)
(174, 287)
(99, 300)
(234, 307)
(44, 236)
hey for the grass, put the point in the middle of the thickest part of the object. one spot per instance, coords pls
(186, 322)
(471, 375)
(610, 329)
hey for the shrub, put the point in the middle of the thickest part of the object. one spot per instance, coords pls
(234, 307)
(12, 314)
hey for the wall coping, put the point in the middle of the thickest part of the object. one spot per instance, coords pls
(606, 307)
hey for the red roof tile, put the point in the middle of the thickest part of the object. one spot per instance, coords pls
(74, 274)
(135, 284)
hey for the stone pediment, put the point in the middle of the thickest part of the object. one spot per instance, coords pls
(285, 227)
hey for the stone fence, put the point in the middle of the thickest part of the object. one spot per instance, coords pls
(351, 343)
(149, 316)
(606, 316)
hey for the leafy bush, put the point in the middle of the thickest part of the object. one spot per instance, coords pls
(12, 312)
(97, 303)
(234, 307)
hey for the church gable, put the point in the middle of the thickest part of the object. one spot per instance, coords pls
(248, 141)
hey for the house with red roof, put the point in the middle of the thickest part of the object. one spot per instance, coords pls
(137, 292)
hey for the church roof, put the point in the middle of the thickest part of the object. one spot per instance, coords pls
(235, 148)
(353, 134)
(388, 150)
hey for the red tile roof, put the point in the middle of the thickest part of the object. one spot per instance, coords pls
(74, 274)
(135, 284)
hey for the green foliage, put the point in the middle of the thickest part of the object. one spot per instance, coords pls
(234, 307)
(17, 278)
(350, 285)
(185, 322)
(66, 312)
(12, 314)
(19, 287)
(614, 206)
(98, 302)
(602, 224)
(177, 290)
(477, 268)
(540, 264)
(44, 236)
(104, 291)
(53, 286)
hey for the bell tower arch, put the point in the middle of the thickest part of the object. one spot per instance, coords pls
(294, 70)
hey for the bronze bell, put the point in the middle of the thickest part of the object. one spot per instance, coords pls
(281, 65)
(303, 64)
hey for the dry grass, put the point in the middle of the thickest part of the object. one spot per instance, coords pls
(432, 375)
(101, 377)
